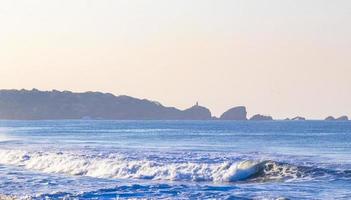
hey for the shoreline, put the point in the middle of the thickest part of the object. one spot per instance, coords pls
(7, 197)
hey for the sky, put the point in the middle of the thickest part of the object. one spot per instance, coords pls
(279, 58)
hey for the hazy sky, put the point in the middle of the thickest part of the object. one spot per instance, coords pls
(278, 57)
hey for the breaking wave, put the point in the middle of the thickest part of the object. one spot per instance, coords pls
(119, 167)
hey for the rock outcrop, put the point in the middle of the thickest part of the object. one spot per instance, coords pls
(342, 118)
(236, 113)
(330, 118)
(298, 118)
(197, 113)
(259, 117)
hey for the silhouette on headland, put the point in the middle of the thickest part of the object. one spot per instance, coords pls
(197, 113)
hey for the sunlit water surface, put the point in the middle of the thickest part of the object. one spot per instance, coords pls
(175, 159)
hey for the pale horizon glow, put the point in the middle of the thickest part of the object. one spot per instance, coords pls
(279, 58)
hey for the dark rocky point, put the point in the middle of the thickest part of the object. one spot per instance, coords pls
(259, 117)
(343, 118)
(298, 118)
(197, 113)
(330, 118)
(236, 113)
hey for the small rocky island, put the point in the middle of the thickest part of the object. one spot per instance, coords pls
(236, 113)
(259, 117)
(298, 118)
(342, 118)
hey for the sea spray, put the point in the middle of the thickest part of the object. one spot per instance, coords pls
(122, 168)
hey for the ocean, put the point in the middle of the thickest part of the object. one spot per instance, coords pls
(77, 159)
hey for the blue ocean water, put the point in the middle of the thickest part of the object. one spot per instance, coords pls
(175, 159)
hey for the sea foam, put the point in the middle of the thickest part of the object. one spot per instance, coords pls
(119, 167)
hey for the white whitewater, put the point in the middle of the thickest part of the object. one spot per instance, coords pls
(121, 168)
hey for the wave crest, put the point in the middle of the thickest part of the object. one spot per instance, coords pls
(119, 167)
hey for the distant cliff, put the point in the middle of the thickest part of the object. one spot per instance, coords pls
(236, 113)
(53, 105)
(35, 104)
